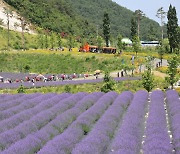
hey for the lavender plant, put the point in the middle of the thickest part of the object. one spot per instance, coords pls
(54, 127)
(173, 105)
(65, 142)
(157, 139)
(105, 127)
(37, 122)
(128, 137)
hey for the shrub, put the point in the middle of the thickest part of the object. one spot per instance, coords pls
(21, 89)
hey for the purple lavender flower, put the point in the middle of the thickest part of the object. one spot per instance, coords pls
(105, 127)
(173, 108)
(65, 142)
(129, 134)
(40, 120)
(157, 138)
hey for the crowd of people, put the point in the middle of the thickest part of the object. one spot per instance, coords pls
(44, 78)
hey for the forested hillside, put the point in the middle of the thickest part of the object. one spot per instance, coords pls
(81, 17)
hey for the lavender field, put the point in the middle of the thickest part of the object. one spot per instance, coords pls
(96, 123)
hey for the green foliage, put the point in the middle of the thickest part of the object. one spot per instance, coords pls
(71, 42)
(77, 17)
(161, 50)
(46, 41)
(99, 42)
(133, 28)
(178, 34)
(172, 26)
(21, 89)
(119, 43)
(147, 77)
(106, 28)
(147, 81)
(136, 44)
(152, 34)
(52, 40)
(67, 89)
(27, 68)
(16, 41)
(59, 40)
(57, 63)
(108, 84)
(172, 70)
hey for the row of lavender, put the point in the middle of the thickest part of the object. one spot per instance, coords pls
(173, 106)
(89, 123)
(58, 83)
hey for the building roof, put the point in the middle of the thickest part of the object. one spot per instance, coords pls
(126, 41)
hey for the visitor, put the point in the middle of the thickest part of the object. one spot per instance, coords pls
(122, 73)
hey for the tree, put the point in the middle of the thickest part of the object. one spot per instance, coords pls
(23, 27)
(8, 14)
(139, 14)
(119, 43)
(106, 28)
(108, 84)
(147, 77)
(161, 14)
(152, 33)
(59, 40)
(161, 50)
(172, 26)
(99, 42)
(178, 32)
(172, 71)
(46, 39)
(41, 41)
(133, 28)
(70, 42)
(52, 40)
(1, 22)
(136, 44)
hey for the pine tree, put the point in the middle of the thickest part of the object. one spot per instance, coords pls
(172, 26)
(106, 28)
(139, 14)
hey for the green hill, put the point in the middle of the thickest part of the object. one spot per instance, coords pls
(80, 17)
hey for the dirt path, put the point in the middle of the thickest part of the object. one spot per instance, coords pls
(159, 74)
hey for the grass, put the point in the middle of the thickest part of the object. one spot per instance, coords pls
(15, 40)
(46, 61)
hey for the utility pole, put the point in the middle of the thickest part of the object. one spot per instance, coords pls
(161, 14)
